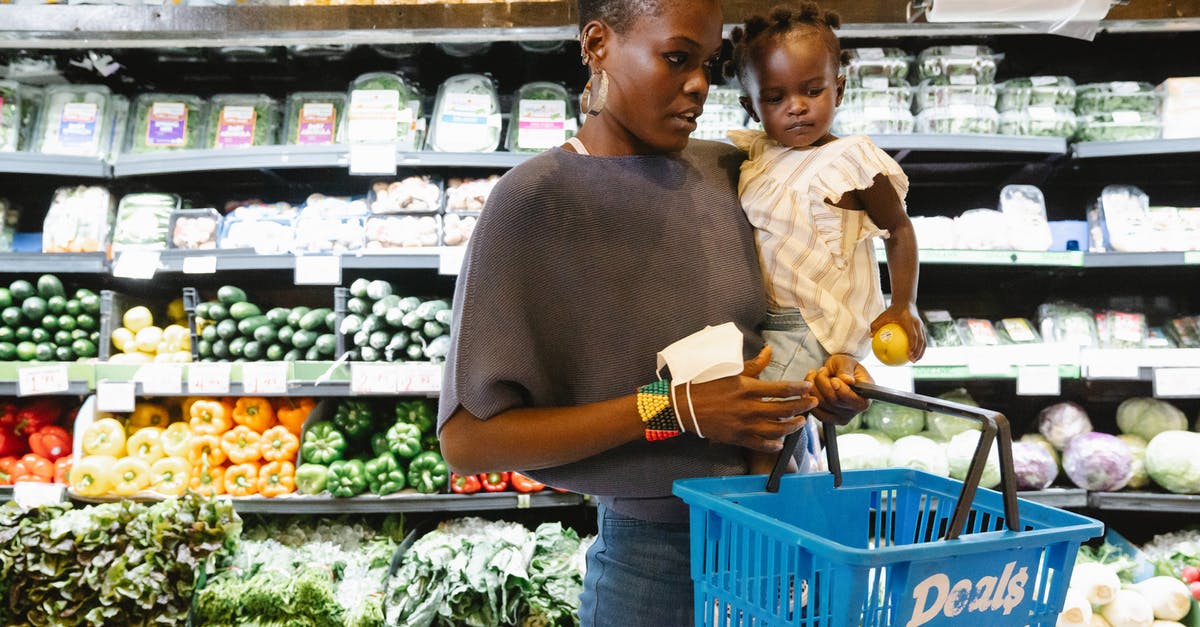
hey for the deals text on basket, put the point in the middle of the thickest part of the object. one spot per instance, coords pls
(989, 595)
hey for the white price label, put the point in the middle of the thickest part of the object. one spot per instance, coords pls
(873, 54)
(265, 378)
(1112, 366)
(877, 83)
(450, 260)
(318, 270)
(374, 378)
(1126, 117)
(894, 377)
(137, 264)
(200, 265)
(1038, 381)
(160, 379)
(419, 378)
(373, 159)
(43, 380)
(29, 494)
(118, 396)
(1177, 382)
(208, 378)
(524, 501)
(982, 361)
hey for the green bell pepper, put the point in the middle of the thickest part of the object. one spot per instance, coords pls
(416, 412)
(384, 475)
(428, 473)
(354, 418)
(311, 478)
(430, 442)
(347, 478)
(379, 444)
(323, 444)
(404, 440)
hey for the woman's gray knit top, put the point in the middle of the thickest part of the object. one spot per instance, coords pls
(579, 271)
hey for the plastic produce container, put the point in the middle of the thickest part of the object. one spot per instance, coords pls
(1039, 121)
(241, 121)
(542, 118)
(467, 116)
(959, 119)
(10, 116)
(166, 122)
(315, 118)
(940, 92)
(1036, 91)
(1094, 98)
(958, 63)
(144, 221)
(1118, 126)
(415, 194)
(384, 107)
(195, 229)
(75, 120)
(890, 63)
(876, 91)
(469, 195)
(80, 220)
(403, 231)
(873, 121)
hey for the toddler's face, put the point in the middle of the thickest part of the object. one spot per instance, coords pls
(794, 88)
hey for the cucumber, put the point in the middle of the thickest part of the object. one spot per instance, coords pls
(20, 290)
(229, 295)
(379, 339)
(284, 335)
(409, 304)
(243, 310)
(73, 307)
(253, 351)
(8, 351)
(358, 306)
(415, 352)
(369, 354)
(381, 307)
(361, 338)
(41, 336)
(83, 348)
(371, 324)
(34, 308)
(220, 349)
(48, 285)
(7, 334)
(377, 290)
(204, 348)
(395, 318)
(84, 321)
(274, 352)
(6, 300)
(44, 351)
(64, 353)
(433, 330)
(265, 334)
(331, 322)
(80, 334)
(304, 339)
(50, 322)
(293, 355)
(236, 346)
(312, 354)
(293, 319)
(93, 337)
(11, 316)
(413, 320)
(202, 310)
(326, 344)
(351, 324)
(429, 308)
(247, 326)
(209, 333)
(26, 350)
(63, 338)
(314, 319)
(278, 316)
(358, 289)
(88, 301)
(56, 304)
(438, 349)
(227, 329)
(70, 323)
(217, 312)
(398, 341)
(444, 316)
(23, 333)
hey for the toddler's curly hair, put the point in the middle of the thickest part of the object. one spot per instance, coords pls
(781, 21)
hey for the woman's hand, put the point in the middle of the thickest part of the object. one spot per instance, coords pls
(907, 317)
(831, 383)
(744, 411)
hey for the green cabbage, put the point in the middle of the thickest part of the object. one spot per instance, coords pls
(919, 453)
(1172, 463)
(947, 426)
(861, 451)
(895, 421)
(1148, 417)
(959, 452)
(1137, 449)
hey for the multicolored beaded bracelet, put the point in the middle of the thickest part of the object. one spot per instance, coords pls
(654, 406)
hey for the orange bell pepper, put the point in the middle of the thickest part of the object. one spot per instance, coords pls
(208, 481)
(206, 450)
(6, 466)
(62, 469)
(254, 412)
(277, 478)
(241, 480)
(176, 439)
(33, 468)
(279, 445)
(292, 413)
(209, 418)
(185, 406)
(242, 445)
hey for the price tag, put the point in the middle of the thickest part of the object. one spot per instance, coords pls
(208, 378)
(984, 362)
(28, 494)
(137, 264)
(895, 377)
(1038, 381)
(374, 378)
(1191, 257)
(1111, 365)
(419, 378)
(450, 260)
(318, 270)
(1177, 382)
(265, 378)
(1126, 117)
(524, 501)
(877, 83)
(117, 396)
(373, 159)
(160, 379)
(43, 380)
(200, 265)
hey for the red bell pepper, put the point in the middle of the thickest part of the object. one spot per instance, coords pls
(36, 414)
(11, 443)
(51, 442)
(524, 484)
(33, 468)
(464, 484)
(62, 469)
(494, 481)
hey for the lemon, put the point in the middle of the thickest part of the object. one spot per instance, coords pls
(148, 338)
(175, 310)
(176, 337)
(121, 338)
(137, 318)
(890, 345)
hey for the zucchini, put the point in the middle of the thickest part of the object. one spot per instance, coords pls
(429, 308)
(284, 335)
(438, 348)
(314, 319)
(433, 330)
(415, 352)
(217, 312)
(369, 354)
(278, 316)
(247, 326)
(293, 355)
(361, 338)
(220, 349)
(253, 351)
(293, 319)
(444, 316)
(358, 306)
(227, 329)
(274, 352)
(358, 289)
(229, 294)
(326, 344)
(312, 354)
(351, 324)
(379, 339)
(236, 346)
(265, 334)
(377, 290)
(304, 339)
(371, 324)
(395, 318)
(409, 304)
(413, 320)
(243, 310)
(331, 321)
(381, 307)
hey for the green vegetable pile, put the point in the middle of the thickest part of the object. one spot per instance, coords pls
(374, 448)
(303, 573)
(475, 572)
(117, 563)
(40, 323)
(383, 326)
(234, 329)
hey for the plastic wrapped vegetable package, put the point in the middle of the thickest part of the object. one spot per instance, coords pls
(330, 225)
(457, 228)
(941, 92)
(1098, 462)
(1017, 94)
(75, 120)
(411, 231)
(895, 421)
(1122, 329)
(876, 62)
(268, 229)
(958, 63)
(414, 194)
(1148, 417)
(1039, 122)
(1034, 467)
(166, 122)
(977, 332)
(1060, 422)
(143, 221)
(1118, 126)
(468, 195)
(195, 229)
(1024, 210)
(873, 121)
(384, 107)
(241, 121)
(119, 128)
(920, 453)
(466, 117)
(79, 220)
(877, 91)
(982, 229)
(965, 119)
(542, 118)
(934, 232)
(1017, 331)
(315, 118)
(32, 99)
(942, 329)
(1094, 98)
(1172, 462)
(1068, 323)
(10, 116)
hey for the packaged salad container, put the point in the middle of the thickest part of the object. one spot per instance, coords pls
(958, 63)
(940, 92)
(1096, 98)
(269, 229)
(315, 118)
(75, 120)
(166, 122)
(890, 63)
(542, 117)
(873, 121)
(467, 116)
(195, 229)
(32, 99)
(384, 107)
(1039, 121)
(411, 231)
(877, 91)
(80, 220)
(241, 121)
(144, 221)
(1036, 91)
(959, 119)
(1118, 126)
(10, 116)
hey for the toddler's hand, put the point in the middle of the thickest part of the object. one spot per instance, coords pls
(906, 316)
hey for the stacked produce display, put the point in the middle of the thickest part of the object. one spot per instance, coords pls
(382, 325)
(40, 322)
(35, 440)
(232, 328)
(1119, 585)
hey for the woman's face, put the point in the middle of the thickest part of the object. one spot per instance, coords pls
(659, 72)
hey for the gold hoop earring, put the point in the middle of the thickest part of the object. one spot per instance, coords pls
(593, 106)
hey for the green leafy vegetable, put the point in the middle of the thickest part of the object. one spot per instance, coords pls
(228, 127)
(166, 122)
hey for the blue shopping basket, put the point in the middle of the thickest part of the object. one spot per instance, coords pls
(894, 547)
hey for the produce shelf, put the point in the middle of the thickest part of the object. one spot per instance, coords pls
(6, 493)
(1145, 501)
(1058, 497)
(967, 373)
(972, 143)
(57, 263)
(404, 502)
(1134, 363)
(54, 165)
(1068, 259)
(304, 378)
(221, 260)
(80, 376)
(1136, 260)
(1094, 150)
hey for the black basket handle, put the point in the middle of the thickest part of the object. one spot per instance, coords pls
(994, 427)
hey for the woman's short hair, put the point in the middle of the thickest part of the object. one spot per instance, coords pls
(618, 14)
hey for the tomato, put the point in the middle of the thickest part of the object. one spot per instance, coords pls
(1190, 574)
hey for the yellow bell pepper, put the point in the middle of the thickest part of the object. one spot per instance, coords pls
(148, 415)
(145, 444)
(92, 476)
(104, 437)
(170, 476)
(130, 475)
(176, 439)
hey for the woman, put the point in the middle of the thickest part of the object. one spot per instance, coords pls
(590, 259)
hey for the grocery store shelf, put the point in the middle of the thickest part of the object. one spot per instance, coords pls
(245, 259)
(405, 503)
(970, 373)
(274, 157)
(304, 378)
(1093, 150)
(1057, 497)
(1068, 259)
(79, 381)
(54, 165)
(1145, 502)
(1136, 260)
(995, 362)
(58, 263)
(1135, 364)
(972, 143)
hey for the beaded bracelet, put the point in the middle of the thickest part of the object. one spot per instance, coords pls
(654, 406)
